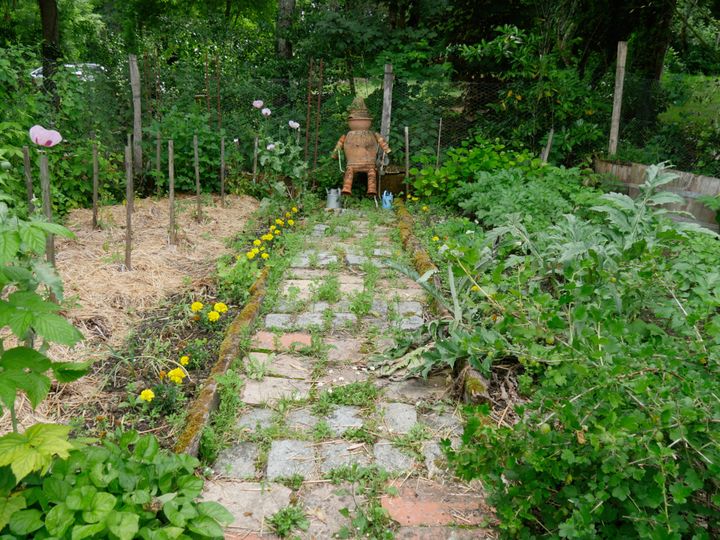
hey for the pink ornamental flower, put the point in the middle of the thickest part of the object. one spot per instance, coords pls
(265, 112)
(44, 137)
(293, 124)
(270, 147)
(258, 103)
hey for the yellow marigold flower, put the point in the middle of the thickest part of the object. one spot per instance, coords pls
(147, 395)
(272, 228)
(177, 375)
(184, 360)
(250, 255)
(287, 214)
(277, 231)
(279, 222)
(255, 250)
(220, 307)
(294, 210)
(265, 256)
(475, 288)
(435, 238)
(425, 208)
(256, 242)
(291, 222)
(213, 316)
(267, 237)
(196, 306)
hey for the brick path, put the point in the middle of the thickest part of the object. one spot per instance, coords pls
(313, 404)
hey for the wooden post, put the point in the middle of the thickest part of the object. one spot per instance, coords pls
(96, 182)
(407, 161)
(387, 101)
(158, 158)
(28, 179)
(171, 189)
(129, 196)
(47, 205)
(217, 79)
(137, 116)
(255, 159)
(546, 151)
(437, 156)
(617, 97)
(207, 86)
(198, 210)
(317, 117)
(309, 109)
(222, 171)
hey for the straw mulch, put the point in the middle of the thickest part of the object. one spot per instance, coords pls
(104, 300)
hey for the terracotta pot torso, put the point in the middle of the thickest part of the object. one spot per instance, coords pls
(360, 147)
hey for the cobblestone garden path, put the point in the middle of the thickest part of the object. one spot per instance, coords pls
(322, 444)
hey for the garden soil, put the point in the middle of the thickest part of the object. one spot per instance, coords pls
(104, 300)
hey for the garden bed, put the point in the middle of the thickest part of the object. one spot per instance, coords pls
(110, 306)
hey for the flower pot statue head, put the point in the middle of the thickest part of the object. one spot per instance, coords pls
(360, 145)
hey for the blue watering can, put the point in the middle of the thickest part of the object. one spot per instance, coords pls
(387, 200)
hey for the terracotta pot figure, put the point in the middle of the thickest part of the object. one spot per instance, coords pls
(360, 145)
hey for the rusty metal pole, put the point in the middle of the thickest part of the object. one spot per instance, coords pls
(309, 108)
(317, 118)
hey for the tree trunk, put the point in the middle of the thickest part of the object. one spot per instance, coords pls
(50, 46)
(653, 40)
(285, 14)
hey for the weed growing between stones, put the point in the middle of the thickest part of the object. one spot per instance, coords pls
(287, 520)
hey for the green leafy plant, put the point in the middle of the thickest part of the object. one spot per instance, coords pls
(287, 520)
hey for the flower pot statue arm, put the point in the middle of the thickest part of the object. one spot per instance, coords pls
(360, 146)
(338, 146)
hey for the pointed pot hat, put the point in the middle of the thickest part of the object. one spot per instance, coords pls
(358, 110)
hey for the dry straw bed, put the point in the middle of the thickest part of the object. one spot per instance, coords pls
(104, 301)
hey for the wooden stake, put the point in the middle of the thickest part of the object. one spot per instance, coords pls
(407, 161)
(28, 179)
(546, 151)
(255, 159)
(47, 205)
(617, 97)
(171, 189)
(387, 101)
(137, 116)
(129, 196)
(96, 184)
(217, 79)
(198, 214)
(222, 171)
(207, 86)
(437, 156)
(158, 155)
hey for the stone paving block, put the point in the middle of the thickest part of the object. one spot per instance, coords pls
(309, 320)
(347, 289)
(301, 420)
(441, 533)
(256, 418)
(300, 290)
(280, 321)
(430, 503)
(323, 504)
(379, 307)
(321, 307)
(320, 229)
(358, 260)
(271, 389)
(290, 457)
(289, 366)
(286, 306)
(345, 350)
(392, 459)
(341, 376)
(307, 274)
(313, 259)
(402, 295)
(382, 252)
(405, 309)
(443, 425)
(435, 461)
(251, 503)
(341, 320)
(343, 418)
(238, 461)
(399, 417)
(268, 341)
(334, 455)
(415, 390)
(410, 324)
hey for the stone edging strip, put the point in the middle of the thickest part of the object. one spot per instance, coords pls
(207, 399)
(421, 260)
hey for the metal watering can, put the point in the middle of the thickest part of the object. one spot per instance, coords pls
(333, 199)
(387, 200)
